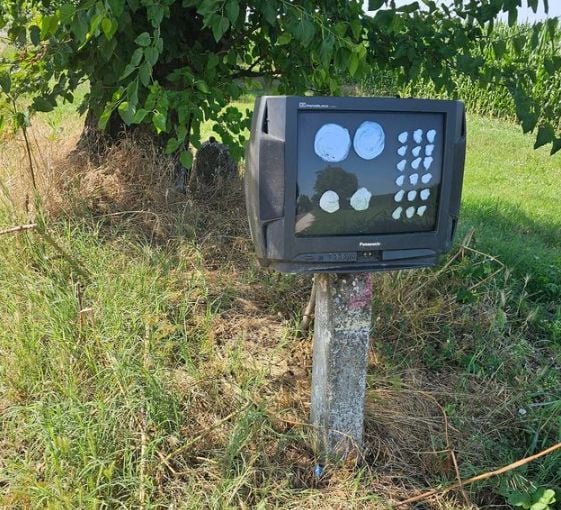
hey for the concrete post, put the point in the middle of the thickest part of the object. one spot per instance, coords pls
(340, 359)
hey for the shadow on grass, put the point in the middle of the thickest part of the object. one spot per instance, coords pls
(525, 245)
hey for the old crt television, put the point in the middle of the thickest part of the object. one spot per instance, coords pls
(341, 184)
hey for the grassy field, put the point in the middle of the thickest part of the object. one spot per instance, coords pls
(146, 361)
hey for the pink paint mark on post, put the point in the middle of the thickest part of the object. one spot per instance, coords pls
(363, 295)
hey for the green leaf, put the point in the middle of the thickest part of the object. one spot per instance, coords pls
(143, 39)
(127, 112)
(202, 86)
(284, 38)
(219, 27)
(270, 12)
(40, 104)
(129, 68)
(137, 57)
(543, 499)
(145, 73)
(117, 7)
(499, 47)
(104, 118)
(159, 120)
(512, 16)
(5, 82)
(66, 13)
(232, 10)
(529, 122)
(306, 31)
(375, 4)
(186, 159)
(151, 55)
(108, 27)
(545, 135)
(172, 146)
(519, 499)
(354, 63)
(49, 25)
(35, 35)
(356, 27)
(139, 116)
(79, 26)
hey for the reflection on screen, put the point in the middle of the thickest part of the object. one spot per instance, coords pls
(368, 172)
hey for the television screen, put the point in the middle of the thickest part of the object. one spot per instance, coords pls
(368, 172)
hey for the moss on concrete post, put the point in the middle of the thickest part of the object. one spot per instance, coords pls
(340, 360)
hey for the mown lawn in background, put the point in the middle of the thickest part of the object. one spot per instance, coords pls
(512, 198)
(171, 373)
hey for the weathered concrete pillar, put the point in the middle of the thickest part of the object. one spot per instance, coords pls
(340, 359)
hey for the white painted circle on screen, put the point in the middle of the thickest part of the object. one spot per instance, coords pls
(400, 180)
(332, 143)
(412, 195)
(416, 163)
(418, 135)
(421, 210)
(403, 137)
(397, 213)
(398, 197)
(425, 179)
(369, 140)
(402, 150)
(401, 165)
(431, 135)
(361, 199)
(429, 149)
(329, 201)
(414, 179)
(425, 194)
(409, 212)
(427, 162)
(416, 151)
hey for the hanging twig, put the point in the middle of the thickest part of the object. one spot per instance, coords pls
(478, 478)
(18, 229)
(308, 312)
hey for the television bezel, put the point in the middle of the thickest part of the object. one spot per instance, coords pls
(437, 240)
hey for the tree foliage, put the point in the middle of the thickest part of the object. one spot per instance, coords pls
(173, 64)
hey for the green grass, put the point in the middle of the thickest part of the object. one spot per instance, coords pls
(511, 198)
(172, 374)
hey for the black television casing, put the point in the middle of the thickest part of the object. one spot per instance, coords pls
(270, 188)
